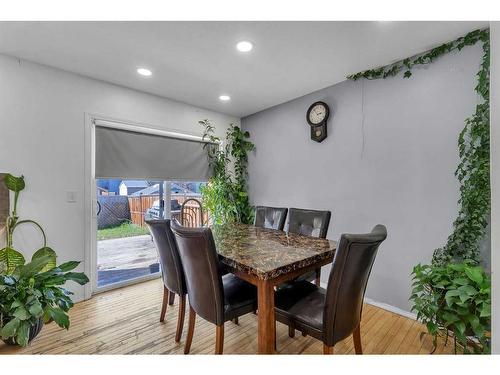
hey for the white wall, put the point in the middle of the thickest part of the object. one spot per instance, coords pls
(396, 168)
(495, 183)
(42, 114)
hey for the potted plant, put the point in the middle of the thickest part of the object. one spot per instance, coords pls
(454, 300)
(31, 293)
(225, 195)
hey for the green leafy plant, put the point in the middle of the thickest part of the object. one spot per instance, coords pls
(30, 294)
(225, 195)
(454, 299)
(32, 291)
(9, 257)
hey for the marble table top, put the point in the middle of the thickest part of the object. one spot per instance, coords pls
(268, 253)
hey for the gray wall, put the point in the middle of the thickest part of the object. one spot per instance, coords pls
(396, 167)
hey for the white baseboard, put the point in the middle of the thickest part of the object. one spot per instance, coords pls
(391, 308)
(385, 306)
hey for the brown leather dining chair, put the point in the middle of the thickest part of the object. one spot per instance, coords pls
(270, 217)
(334, 313)
(312, 223)
(172, 272)
(214, 297)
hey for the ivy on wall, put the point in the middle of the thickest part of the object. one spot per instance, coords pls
(473, 171)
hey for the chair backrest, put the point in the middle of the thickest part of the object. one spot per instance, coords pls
(191, 214)
(309, 222)
(200, 262)
(347, 283)
(270, 217)
(172, 272)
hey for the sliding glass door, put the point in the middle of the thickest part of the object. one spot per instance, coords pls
(141, 173)
(125, 249)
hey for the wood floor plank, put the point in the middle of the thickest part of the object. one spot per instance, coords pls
(126, 321)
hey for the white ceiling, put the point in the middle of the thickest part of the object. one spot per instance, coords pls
(195, 62)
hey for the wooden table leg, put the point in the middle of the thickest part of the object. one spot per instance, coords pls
(266, 319)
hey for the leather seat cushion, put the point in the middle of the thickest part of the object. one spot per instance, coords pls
(310, 276)
(240, 297)
(301, 302)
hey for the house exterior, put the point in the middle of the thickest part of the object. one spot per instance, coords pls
(189, 188)
(112, 186)
(128, 187)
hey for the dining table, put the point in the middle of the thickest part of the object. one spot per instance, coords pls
(268, 258)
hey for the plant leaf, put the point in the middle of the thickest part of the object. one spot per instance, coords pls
(32, 268)
(68, 266)
(485, 310)
(13, 183)
(59, 316)
(23, 333)
(11, 258)
(46, 252)
(10, 329)
(449, 295)
(78, 277)
(475, 274)
(21, 313)
(36, 309)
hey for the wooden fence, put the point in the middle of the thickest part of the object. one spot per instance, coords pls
(139, 205)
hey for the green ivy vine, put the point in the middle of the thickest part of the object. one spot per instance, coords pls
(226, 196)
(473, 171)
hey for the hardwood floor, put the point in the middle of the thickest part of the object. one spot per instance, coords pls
(127, 321)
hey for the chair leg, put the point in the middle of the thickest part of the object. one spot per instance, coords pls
(164, 303)
(317, 281)
(356, 335)
(291, 332)
(180, 318)
(189, 338)
(235, 320)
(327, 349)
(171, 299)
(275, 339)
(304, 334)
(219, 339)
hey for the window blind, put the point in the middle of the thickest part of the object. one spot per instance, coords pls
(126, 154)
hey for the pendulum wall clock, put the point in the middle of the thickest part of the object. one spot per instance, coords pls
(317, 116)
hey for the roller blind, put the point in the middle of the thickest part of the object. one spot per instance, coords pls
(132, 155)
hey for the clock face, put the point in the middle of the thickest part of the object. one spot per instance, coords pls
(317, 113)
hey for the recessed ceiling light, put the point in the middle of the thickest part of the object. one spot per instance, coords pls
(144, 72)
(244, 46)
(224, 98)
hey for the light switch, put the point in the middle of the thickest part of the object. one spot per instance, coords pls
(71, 196)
